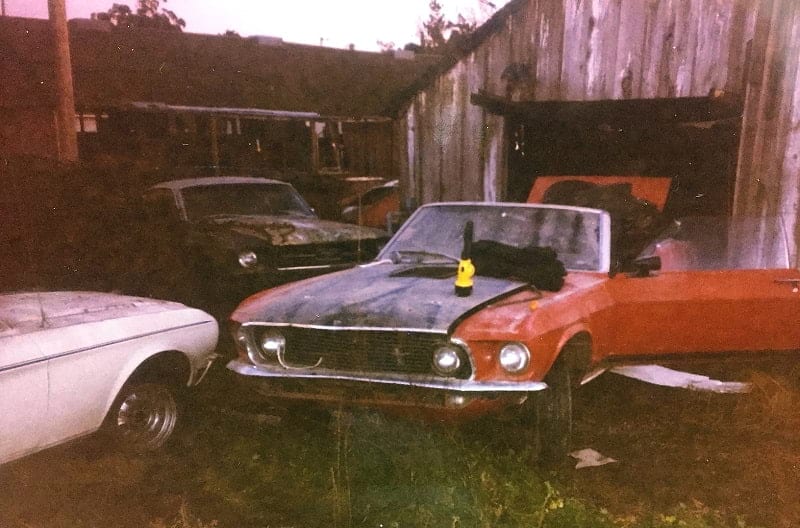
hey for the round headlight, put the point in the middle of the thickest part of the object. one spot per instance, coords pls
(273, 345)
(248, 259)
(514, 357)
(267, 350)
(446, 360)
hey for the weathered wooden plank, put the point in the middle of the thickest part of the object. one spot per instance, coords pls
(516, 77)
(416, 150)
(495, 161)
(549, 42)
(683, 53)
(790, 191)
(711, 68)
(430, 148)
(748, 196)
(782, 93)
(516, 55)
(451, 178)
(578, 29)
(656, 24)
(740, 33)
(631, 39)
(603, 38)
(470, 159)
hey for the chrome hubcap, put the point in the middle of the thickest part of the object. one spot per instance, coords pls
(147, 417)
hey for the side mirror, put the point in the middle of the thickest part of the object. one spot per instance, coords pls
(643, 266)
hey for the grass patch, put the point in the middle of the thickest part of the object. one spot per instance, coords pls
(238, 466)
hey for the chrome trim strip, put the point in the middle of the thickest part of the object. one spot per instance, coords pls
(100, 345)
(346, 328)
(315, 267)
(246, 369)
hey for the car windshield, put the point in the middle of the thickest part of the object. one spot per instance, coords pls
(250, 199)
(718, 243)
(435, 233)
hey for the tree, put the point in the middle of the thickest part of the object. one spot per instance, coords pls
(438, 34)
(148, 14)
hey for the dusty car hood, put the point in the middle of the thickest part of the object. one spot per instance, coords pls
(292, 230)
(378, 295)
(24, 312)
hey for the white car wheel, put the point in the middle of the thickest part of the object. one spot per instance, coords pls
(144, 416)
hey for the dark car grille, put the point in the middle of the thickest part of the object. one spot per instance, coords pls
(332, 253)
(364, 351)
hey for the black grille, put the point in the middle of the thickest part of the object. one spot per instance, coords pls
(365, 351)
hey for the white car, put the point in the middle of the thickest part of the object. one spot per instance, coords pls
(71, 362)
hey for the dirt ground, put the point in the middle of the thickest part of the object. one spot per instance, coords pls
(738, 455)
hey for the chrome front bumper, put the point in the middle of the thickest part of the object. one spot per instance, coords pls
(466, 386)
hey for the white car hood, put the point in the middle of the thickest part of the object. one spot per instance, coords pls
(27, 312)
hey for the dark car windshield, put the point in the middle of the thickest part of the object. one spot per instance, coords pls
(580, 237)
(244, 199)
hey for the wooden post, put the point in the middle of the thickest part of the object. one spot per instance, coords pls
(65, 122)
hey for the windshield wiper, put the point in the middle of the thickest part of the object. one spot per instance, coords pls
(419, 256)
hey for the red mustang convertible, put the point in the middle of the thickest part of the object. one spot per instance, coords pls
(525, 331)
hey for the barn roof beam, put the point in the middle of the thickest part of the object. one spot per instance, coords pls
(662, 110)
(250, 113)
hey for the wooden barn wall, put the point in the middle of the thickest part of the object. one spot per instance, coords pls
(567, 50)
(768, 177)
(369, 148)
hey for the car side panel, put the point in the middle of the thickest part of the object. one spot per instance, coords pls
(23, 396)
(703, 311)
(89, 363)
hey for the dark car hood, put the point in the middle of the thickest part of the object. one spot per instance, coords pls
(289, 230)
(378, 295)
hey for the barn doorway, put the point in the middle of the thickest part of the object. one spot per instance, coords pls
(693, 140)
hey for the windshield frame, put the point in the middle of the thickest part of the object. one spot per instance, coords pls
(604, 226)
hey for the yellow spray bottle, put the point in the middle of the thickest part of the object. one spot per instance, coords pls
(465, 270)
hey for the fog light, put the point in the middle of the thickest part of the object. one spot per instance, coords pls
(248, 259)
(514, 357)
(446, 361)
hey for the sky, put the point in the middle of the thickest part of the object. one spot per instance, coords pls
(333, 23)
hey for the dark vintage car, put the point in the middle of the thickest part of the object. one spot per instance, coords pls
(242, 234)
(413, 331)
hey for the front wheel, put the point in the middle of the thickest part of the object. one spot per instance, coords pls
(143, 416)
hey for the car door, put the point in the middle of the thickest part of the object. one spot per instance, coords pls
(23, 394)
(680, 312)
